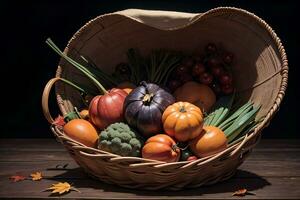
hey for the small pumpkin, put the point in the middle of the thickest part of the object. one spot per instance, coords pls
(161, 147)
(81, 131)
(212, 140)
(144, 107)
(198, 94)
(183, 121)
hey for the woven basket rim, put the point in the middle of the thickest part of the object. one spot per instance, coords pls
(209, 13)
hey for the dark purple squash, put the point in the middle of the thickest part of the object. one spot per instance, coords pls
(144, 107)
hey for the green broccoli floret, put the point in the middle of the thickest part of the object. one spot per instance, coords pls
(119, 138)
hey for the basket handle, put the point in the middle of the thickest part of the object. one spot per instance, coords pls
(45, 98)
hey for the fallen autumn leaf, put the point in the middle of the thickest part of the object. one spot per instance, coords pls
(61, 188)
(242, 192)
(17, 178)
(59, 121)
(36, 176)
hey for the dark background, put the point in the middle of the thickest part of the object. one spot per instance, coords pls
(28, 63)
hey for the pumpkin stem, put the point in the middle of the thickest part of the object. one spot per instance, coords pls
(182, 109)
(148, 98)
(175, 147)
(182, 149)
(143, 83)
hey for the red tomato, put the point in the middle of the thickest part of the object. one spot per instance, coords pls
(206, 78)
(217, 70)
(198, 69)
(227, 89)
(225, 79)
(173, 84)
(191, 158)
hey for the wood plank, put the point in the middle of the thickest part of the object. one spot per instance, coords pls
(273, 188)
(20, 144)
(269, 144)
(24, 156)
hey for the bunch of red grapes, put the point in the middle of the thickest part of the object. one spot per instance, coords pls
(212, 69)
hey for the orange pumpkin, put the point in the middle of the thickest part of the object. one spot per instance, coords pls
(183, 121)
(212, 140)
(82, 131)
(198, 94)
(161, 147)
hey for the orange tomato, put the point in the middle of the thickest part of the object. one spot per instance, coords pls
(128, 90)
(182, 120)
(211, 141)
(198, 94)
(161, 147)
(84, 114)
(81, 131)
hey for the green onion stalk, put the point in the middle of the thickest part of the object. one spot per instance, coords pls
(78, 66)
(236, 124)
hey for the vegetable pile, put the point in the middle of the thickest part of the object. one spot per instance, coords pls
(166, 106)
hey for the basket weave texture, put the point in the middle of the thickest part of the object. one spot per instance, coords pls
(260, 73)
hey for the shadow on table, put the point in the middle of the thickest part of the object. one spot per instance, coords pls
(242, 179)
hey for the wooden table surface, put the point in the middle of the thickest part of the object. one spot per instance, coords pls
(271, 172)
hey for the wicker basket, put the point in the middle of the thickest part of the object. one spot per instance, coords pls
(260, 74)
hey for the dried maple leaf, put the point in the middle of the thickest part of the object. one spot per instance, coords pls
(17, 178)
(36, 176)
(61, 188)
(242, 192)
(59, 121)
